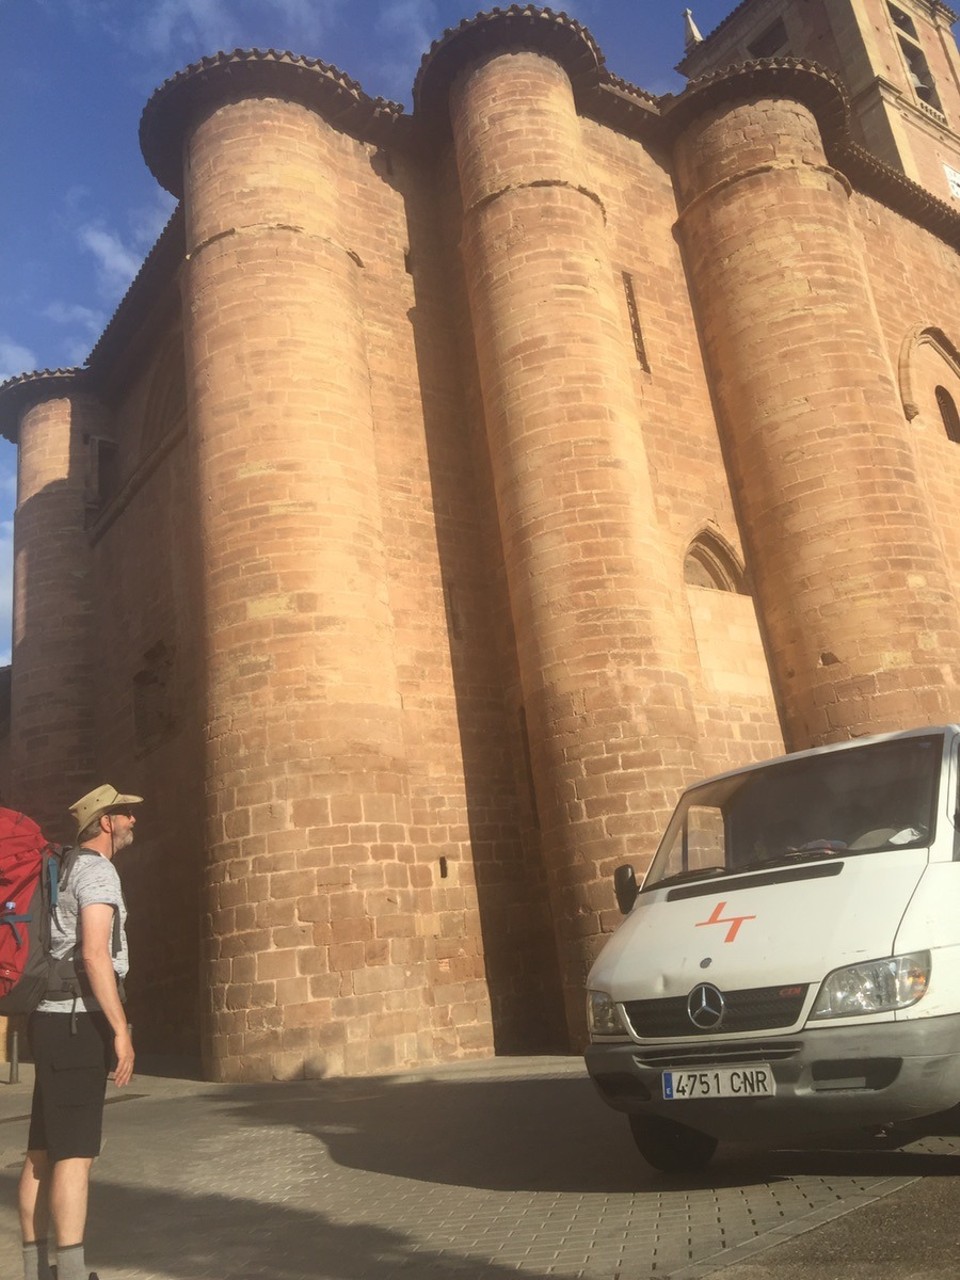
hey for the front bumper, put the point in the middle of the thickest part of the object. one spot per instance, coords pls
(829, 1080)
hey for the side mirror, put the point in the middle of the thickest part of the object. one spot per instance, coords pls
(625, 887)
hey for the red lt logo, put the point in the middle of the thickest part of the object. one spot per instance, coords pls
(733, 921)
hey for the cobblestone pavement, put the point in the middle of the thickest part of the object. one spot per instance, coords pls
(507, 1169)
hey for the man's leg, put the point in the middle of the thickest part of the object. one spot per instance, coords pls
(34, 1204)
(34, 1195)
(54, 1191)
(68, 1200)
(70, 1113)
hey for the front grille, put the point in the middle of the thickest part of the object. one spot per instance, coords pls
(740, 1053)
(756, 1009)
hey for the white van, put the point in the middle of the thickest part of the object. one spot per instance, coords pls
(789, 969)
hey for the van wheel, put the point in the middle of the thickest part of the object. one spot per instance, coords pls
(671, 1147)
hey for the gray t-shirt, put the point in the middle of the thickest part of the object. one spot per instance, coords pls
(92, 879)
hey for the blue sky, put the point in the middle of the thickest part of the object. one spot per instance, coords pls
(80, 210)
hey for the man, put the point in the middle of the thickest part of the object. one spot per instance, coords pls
(76, 1038)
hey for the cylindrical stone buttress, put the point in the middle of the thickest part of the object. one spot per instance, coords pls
(612, 729)
(305, 777)
(52, 686)
(861, 621)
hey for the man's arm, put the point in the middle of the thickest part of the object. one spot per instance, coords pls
(96, 928)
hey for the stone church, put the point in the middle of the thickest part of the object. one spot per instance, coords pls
(452, 487)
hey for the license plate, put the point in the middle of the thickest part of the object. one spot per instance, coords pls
(724, 1082)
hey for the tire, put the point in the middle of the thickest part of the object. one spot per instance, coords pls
(671, 1147)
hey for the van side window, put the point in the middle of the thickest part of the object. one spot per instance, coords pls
(704, 841)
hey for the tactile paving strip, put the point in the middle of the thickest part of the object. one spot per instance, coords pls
(443, 1178)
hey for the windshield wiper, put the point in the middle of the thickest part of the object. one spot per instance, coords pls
(815, 854)
(699, 874)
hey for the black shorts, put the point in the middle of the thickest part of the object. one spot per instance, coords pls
(72, 1057)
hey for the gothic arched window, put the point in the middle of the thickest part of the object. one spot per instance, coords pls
(948, 412)
(710, 563)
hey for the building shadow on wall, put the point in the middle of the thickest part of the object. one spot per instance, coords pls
(518, 940)
(114, 714)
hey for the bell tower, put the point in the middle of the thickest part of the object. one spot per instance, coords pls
(897, 58)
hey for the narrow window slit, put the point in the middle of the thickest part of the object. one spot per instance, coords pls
(634, 313)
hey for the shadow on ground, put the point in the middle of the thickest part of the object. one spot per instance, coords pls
(211, 1237)
(524, 1135)
(512, 1146)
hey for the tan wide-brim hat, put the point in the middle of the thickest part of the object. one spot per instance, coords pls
(99, 801)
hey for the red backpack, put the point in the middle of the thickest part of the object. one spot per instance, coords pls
(30, 873)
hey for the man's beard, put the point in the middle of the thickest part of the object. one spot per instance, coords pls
(122, 839)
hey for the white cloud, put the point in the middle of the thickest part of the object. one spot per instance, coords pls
(148, 220)
(118, 253)
(83, 326)
(69, 313)
(77, 351)
(14, 359)
(192, 27)
(414, 21)
(173, 24)
(117, 263)
(409, 28)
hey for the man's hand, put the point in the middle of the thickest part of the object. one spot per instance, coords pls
(123, 1048)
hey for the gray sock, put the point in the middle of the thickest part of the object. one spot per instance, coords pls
(36, 1264)
(71, 1264)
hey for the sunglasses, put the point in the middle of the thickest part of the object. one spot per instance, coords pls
(121, 813)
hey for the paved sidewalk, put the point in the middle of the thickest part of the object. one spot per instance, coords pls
(512, 1168)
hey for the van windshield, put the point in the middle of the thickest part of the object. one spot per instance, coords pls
(860, 800)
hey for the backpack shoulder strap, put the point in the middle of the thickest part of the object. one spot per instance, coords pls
(65, 859)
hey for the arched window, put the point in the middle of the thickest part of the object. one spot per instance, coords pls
(949, 414)
(928, 359)
(710, 563)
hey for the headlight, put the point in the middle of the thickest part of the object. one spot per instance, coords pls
(875, 987)
(603, 1015)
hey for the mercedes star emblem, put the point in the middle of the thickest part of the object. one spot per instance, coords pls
(706, 1007)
